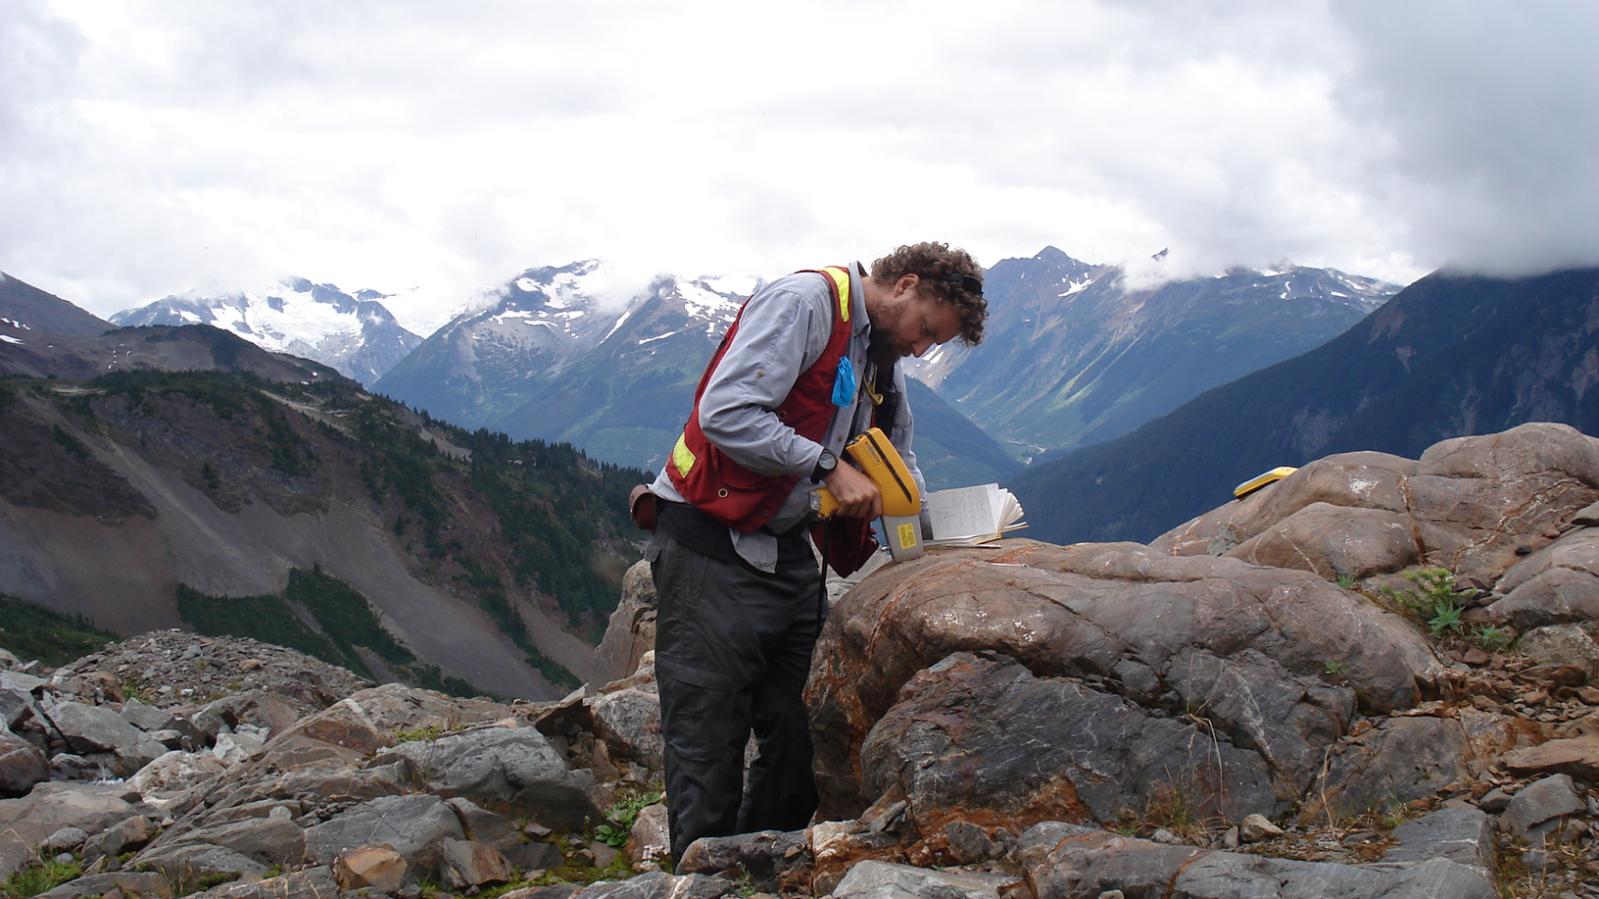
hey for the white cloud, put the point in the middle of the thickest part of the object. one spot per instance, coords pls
(153, 147)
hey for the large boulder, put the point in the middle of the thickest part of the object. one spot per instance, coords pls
(414, 826)
(980, 739)
(1474, 505)
(270, 841)
(631, 630)
(372, 719)
(512, 770)
(1244, 655)
(1557, 584)
(27, 822)
(21, 765)
(97, 729)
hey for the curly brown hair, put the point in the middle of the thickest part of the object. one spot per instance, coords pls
(948, 275)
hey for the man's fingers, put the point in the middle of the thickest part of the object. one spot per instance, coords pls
(857, 495)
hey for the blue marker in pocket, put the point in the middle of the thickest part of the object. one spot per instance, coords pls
(844, 384)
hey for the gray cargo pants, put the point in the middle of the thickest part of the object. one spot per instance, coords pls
(732, 651)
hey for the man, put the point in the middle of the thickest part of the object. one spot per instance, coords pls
(808, 363)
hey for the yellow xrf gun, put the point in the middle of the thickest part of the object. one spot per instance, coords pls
(902, 502)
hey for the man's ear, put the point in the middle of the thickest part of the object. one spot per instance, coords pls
(907, 283)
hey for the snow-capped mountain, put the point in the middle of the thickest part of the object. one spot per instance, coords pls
(355, 334)
(575, 353)
(485, 366)
(1073, 355)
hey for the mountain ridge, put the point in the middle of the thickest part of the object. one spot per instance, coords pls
(1450, 355)
(353, 333)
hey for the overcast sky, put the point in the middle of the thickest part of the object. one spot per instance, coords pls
(152, 148)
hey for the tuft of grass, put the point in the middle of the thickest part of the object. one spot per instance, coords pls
(417, 734)
(1434, 599)
(41, 878)
(1491, 637)
(1446, 616)
(622, 815)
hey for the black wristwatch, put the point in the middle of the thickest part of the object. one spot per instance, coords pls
(825, 463)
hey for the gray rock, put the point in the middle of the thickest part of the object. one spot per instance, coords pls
(1559, 644)
(531, 856)
(1539, 802)
(21, 765)
(21, 682)
(171, 738)
(414, 825)
(269, 840)
(660, 885)
(235, 747)
(1046, 749)
(881, 880)
(1256, 829)
(69, 766)
(93, 729)
(127, 883)
(468, 863)
(649, 839)
(67, 839)
(147, 718)
(1495, 800)
(513, 770)
(1087, 864)
(764, 856)
(631, 630)
(1399, 760)
(311, 883)
(27, 822)
(15, 704)
(127, 834)
(482, 825)
(1462, 835)
(176, 770)
(190, 864)
(7, 660)
(1557, 584)
(1587, 516)
(629, 721)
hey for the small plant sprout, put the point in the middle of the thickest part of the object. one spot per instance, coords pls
(1492, 637)
(1446, 616)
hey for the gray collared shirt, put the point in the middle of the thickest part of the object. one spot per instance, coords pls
(783, 330)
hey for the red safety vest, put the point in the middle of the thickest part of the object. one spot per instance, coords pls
(725, 490)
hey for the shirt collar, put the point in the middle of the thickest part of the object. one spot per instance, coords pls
(857, 299)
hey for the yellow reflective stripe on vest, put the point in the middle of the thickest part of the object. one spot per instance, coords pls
(841, 281)
(682, 456)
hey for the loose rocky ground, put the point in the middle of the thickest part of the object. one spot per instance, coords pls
(1262, 703)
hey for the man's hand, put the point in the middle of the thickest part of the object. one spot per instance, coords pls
(857, 495)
